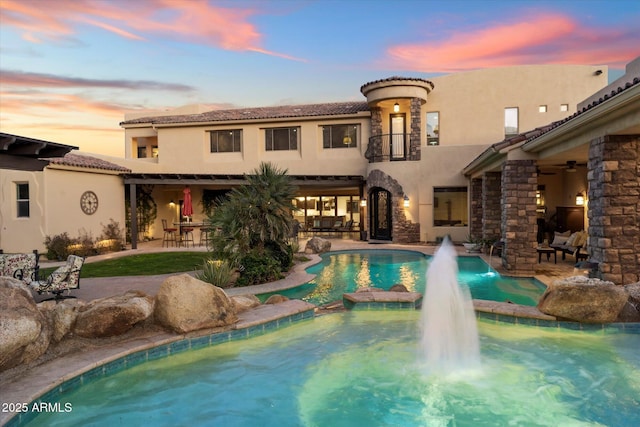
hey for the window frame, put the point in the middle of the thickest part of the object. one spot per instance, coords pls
(236, 146)
(21, 202)
(338, 140)
(507, 121)
(464, 209)
(293, 144)
(433, 140)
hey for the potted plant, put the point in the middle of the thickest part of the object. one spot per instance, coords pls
(471, 244)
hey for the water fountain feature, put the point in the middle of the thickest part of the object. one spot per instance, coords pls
(449, 334)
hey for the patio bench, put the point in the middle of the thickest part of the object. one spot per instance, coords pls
(23, 267)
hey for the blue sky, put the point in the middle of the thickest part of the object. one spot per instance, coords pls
(69, 70)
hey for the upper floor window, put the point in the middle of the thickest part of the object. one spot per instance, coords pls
(22, 197)
(340, 136)
(564, 107)
(542, 108)
(433, 128)
(511, 121)
(142, 152)
(226, 141)
(282, 138)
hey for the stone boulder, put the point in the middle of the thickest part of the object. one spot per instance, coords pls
(584, 300)
(276, 299)
(631, 310)
(24, 331)
(317, 245)
(111, 316)
(62, 315)
(398, 287)
(184, 304)
(245, 302)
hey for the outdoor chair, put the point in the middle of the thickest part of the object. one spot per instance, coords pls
(64, 278)
(169, 234)
(187, 236)
(205, 236)
(23, 267)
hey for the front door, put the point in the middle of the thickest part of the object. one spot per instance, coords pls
(398, 142)
(380, 214)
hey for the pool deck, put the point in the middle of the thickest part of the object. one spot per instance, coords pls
(27, 386)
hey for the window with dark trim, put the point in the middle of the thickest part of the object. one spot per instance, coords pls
(226, 141)
(340, 136)
(278, 139)
(450, 206)
(22, 197)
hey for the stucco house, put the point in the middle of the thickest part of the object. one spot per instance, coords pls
(46, 189)
(500, 154)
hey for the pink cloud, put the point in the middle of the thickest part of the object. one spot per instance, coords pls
(193, 21)
(549, 38)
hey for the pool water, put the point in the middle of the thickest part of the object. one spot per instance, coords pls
(346, 271)
(361, 369)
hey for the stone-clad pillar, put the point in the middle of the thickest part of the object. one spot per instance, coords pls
(519, 184)
(375, 152)
(614, 207)
(475, 222)
(416, 129)
(491, 209)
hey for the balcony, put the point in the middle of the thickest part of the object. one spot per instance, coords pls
(388, 147)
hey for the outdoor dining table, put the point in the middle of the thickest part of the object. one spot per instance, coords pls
(189, 224)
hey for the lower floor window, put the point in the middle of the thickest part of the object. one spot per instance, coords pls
(450, 206)
(22, 193)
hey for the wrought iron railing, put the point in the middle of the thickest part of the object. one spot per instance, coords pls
(388, 147)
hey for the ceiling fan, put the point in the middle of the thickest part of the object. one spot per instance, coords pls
(570, 166)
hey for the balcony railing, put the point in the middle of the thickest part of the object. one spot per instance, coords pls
(388, 147)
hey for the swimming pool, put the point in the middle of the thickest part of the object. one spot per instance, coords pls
(345, 271)
(361, 369)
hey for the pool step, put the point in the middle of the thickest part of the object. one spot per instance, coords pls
(381, 300)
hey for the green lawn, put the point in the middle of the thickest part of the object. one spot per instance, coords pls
(141, 265)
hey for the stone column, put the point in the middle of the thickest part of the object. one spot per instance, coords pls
(519, 184)
(614, 207)
(475, 222)
(416, 129)
(375, 151)
(491, 209)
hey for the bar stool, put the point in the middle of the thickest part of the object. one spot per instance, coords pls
(169, 234)
(187, 236)
(204, 236)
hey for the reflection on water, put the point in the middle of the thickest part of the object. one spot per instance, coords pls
(346, 271)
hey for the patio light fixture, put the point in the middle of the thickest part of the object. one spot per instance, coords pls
(580, 199)
(172, 203)
(396, 107)
(406, 201)
(363, 202)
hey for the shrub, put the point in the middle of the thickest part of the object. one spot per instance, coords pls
(258, 268)
(58, 246)
(217, 272)
(111, 237)
(83, 245)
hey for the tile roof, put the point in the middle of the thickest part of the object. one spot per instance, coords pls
(89, 162)
(257, 113)
(394, 78)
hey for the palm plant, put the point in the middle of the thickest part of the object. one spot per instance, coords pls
(255, 218)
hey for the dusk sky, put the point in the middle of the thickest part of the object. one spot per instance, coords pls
(69, 70)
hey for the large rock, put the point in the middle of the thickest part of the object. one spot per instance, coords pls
(317, 245)
(24, 331)
(631, 310)
(184, 304)
(62, 315)
(245, 302)
(111, 316)
(583, 300)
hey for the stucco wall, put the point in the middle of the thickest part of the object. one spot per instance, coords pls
(54, 206)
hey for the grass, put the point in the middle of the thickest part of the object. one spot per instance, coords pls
(141, 265)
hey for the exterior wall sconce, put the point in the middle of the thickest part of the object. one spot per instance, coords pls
(580, 199)
(172, 203)
(396, 107)
(406, 201)
(363, 202)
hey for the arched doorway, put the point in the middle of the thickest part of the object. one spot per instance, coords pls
(380, 214)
